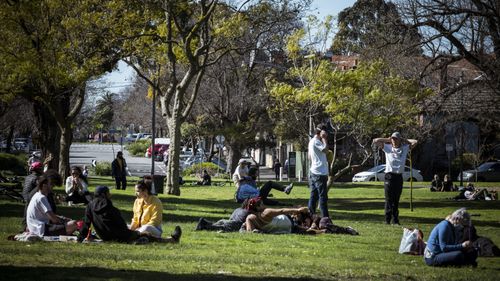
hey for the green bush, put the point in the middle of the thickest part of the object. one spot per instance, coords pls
(102, 169)
(139, 147)
(15, 163)
(197, 169)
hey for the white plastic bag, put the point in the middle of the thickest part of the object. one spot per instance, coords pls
(409, 242)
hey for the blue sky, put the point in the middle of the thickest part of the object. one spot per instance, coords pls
(123, 76)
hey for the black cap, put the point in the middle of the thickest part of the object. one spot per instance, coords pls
(101, 189)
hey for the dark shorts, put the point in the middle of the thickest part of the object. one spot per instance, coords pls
(55, 229)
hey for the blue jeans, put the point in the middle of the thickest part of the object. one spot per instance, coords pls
(319, 190)
(453, 258)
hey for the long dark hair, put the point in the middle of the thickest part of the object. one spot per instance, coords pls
(142, 185)
(79, 170)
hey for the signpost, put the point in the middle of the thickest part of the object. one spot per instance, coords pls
(449, 149)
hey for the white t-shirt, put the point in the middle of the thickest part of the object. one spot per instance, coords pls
(69, 185)
(280, 224)
(36, 214)
(240, 172)
(395, 158)
(319, 162)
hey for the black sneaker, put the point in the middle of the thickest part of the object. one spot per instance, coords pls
(288, 188)
(201, 224)
(176, 235)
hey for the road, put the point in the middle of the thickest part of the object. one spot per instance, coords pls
(83, 153)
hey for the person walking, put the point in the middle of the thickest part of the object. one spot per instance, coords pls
(318, 172)
(119, 171)
(396, 149)
(276, 168)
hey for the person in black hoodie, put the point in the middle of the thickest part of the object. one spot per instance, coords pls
(110, 225)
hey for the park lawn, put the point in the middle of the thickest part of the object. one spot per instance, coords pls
(233, 256)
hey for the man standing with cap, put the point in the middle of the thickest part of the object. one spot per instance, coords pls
(396, 149)
(318, 172)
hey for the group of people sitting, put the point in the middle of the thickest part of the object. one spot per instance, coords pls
(442, 185)
(41, 219)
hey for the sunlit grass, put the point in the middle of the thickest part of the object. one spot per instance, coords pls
(234, 256)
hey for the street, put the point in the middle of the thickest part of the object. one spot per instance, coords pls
(83, 154)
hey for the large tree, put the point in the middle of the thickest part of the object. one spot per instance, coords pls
(373, 28)
(460, 29)
(363, 103)
(50, 49)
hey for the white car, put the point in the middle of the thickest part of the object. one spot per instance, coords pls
(377, 174)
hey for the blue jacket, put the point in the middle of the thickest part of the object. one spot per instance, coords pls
(442, 239)
(247, 189)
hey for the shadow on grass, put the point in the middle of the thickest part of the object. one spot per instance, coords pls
(97, 273)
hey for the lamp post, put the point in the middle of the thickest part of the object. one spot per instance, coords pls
(310, 57)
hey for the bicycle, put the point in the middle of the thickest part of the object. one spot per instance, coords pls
(11, 187)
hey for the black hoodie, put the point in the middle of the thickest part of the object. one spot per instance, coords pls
(107, 220)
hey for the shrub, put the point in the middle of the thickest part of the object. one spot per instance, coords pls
(102, 169)
(139, 147)
(14, 163)
(198, 168)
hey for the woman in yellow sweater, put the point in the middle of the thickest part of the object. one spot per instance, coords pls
(148, 211)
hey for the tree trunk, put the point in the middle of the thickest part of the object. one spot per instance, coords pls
(49, 134)
(65, 144)
(234, 154)
(10, 137)
(174, 128)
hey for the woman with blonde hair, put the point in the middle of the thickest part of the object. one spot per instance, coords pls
(443, 247)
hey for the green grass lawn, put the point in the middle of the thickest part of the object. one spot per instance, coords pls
(233, 256)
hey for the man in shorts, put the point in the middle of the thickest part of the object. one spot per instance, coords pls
(40, 217)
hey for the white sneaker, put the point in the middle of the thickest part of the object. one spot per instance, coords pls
(288, 188)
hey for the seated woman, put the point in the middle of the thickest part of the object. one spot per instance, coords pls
(447, 184)
(240, 172)
(206, 180)
(444, 248)
(148, 211)
(267, 220)
(436, 183)
(77, 187)
(248, 189)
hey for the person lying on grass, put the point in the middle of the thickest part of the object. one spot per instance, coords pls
(110, 225)
(40, 217)
(148, 211)
(267, 220)
(305, 223)
(234, 222)
(248, 188)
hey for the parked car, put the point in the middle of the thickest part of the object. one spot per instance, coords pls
(158, 151)
(141, 136)
(488, 171)
(130, 138)
(377, 173)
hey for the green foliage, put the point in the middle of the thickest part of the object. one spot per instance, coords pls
(14, 163)
(197, 169)
(102, 169)
(139, 147)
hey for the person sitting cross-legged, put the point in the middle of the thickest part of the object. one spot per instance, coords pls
(40, 217)
(444, 247)
(148, 211)
(248, 189)
(110, 225)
